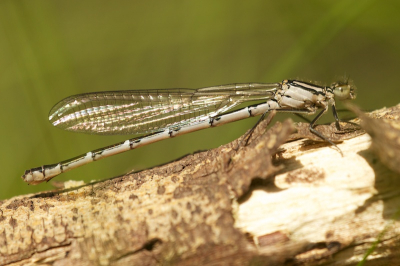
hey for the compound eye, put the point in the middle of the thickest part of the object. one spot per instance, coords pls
(342, 92)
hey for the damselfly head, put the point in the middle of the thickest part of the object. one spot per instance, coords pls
(344, 90)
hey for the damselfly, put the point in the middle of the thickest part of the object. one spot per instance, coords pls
(167, 113)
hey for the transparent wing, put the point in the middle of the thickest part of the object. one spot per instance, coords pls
(145, 111)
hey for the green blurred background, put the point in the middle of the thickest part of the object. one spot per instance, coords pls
(52, 49)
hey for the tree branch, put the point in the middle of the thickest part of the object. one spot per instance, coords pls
(265, 203)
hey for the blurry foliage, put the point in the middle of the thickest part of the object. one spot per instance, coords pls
(52, 49)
